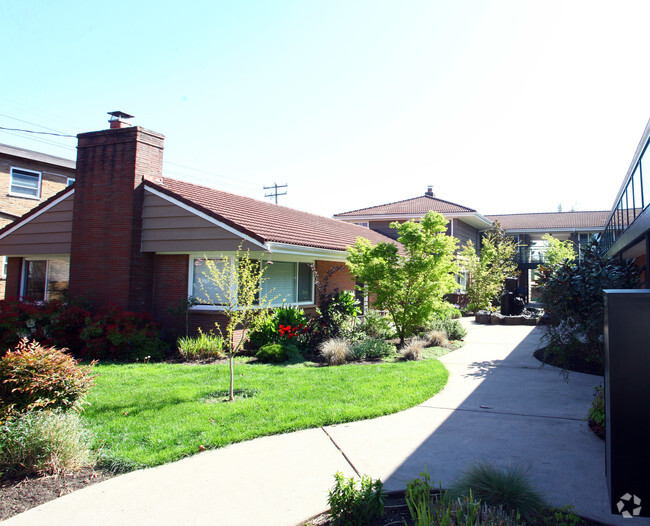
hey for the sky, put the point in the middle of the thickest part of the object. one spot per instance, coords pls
(502, 106)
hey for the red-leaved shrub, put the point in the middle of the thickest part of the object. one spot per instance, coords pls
(34, 377)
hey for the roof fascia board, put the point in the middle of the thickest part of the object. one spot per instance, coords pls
(301, 250)
(35, 215)
(393, 217)
(205, 216)
(551, 230)
(22, 153)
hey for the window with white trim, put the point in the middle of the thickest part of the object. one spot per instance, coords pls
(45, 279)
(286, 281)
(25, 183)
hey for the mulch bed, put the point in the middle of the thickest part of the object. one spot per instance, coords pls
(18, 495)
(575, 365)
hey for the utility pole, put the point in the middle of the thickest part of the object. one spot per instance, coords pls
(275, 193)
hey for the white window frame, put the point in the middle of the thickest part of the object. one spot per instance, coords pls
(4, 261)
(25, 171)
(276, 303)
(23, 271)
(70, 181)
(365, 224)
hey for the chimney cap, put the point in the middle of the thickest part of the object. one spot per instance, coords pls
(119, 115)
(429, 191)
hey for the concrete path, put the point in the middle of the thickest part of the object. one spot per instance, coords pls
(498, 406)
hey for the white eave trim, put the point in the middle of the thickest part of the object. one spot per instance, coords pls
(579, 230)
(34, 216)
(312, 252)
(202, 215)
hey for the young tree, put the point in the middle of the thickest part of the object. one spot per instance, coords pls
(558, 251)
(234, 284)
(486, 274)
(411, 285)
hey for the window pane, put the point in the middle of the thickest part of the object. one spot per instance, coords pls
(304, 282)
(58, 277)
(280, 281)
(638, 197)
(34, 287)
(204, 288)
(25, 183)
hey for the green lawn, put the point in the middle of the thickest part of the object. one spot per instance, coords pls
(150, 414)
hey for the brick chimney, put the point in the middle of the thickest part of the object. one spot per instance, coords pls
(106, 263)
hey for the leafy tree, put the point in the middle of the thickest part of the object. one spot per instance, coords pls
(486, 274)
(558, 251)
(234, 284)
(410, 285)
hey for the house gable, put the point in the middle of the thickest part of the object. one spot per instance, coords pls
(46, 230)
(171, 226)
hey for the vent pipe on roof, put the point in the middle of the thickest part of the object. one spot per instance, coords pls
(118, 119)
(429, 192)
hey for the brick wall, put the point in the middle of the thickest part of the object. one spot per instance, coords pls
(12, 288)
(106, 265)
(342, 280)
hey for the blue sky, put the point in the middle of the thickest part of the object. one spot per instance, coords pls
(503, 106)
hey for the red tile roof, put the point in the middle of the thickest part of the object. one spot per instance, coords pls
(265, 221)
(416, 206)
(553, 220)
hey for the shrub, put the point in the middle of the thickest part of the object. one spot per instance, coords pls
(572, 295)
(596, 414)
(452, 328)
(437, 338)
(508, 488)
(375, 325)
(286, 323)
(335, 351)
(272, 353)
(35, 377)
(203, 346)
(372, 349)
(115, 334)
(413, 349)
(352, 506)
(45, 443)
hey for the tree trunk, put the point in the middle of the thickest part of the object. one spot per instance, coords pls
(232, 377)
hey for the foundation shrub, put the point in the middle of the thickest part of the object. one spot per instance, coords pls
(356, 506)
(201, 347)
(45, 443)
(596, 413)
(277, 353)
(286, 324)
(114, 334)
(372, 349)
(107, 333)
(34, 377)
(335, 351)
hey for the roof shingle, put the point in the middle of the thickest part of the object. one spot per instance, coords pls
(268, 222)
(416, 206)
(552, 220)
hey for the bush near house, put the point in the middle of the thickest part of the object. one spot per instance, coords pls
(106, 333)
(33, 377)
(572, 295)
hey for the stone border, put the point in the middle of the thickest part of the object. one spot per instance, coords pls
(496, 318)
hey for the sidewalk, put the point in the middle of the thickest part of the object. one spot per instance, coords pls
(498, 406)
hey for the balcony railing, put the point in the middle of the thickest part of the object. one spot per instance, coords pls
(633, 197)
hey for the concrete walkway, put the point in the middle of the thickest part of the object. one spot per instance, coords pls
(498, 406)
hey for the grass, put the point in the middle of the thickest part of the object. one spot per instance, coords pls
(150, 414)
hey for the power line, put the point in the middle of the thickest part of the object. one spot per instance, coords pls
(37, 132)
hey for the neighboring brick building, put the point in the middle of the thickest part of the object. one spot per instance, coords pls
(123, 234)
(28, 178)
